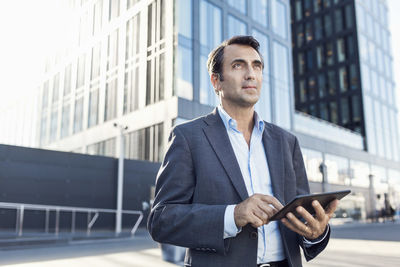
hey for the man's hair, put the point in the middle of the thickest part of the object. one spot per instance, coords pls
(216, 57)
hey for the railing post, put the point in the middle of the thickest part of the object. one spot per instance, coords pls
(46, 223)
(88, 222)
(73, 222)
(57, 221)
(21, 220)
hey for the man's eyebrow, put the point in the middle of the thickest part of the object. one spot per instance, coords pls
(240, 60)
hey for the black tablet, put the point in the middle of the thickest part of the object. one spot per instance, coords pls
(305, 201)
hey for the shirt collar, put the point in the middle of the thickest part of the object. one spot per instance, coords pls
(230, 123)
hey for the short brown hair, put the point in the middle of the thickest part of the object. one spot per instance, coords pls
(216, 57)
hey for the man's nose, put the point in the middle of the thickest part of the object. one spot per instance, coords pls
(250, 74)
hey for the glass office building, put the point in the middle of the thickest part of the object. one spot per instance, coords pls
(142, 64)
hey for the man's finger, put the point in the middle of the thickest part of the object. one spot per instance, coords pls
(306, 215)
(272, 200)
(319, 210)
(332, 207)
(290, 225)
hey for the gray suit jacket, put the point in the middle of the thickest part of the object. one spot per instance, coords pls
(200, 176)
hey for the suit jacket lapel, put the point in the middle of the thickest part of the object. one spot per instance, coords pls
(273, 150)
(219, 140)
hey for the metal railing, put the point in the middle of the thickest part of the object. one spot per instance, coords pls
(21, 207)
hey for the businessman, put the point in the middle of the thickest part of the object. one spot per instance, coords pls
(225, 174)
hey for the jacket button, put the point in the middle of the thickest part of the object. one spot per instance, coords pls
(253, 235)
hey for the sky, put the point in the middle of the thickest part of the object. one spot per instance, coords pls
(32, 29)
(29, 31)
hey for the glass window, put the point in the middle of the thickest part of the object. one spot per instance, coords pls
(259, 11)
(353, 77)
(299, 10)
(240, 5)
(279, 18)
(312, 88)
(43, 128)
(329, 53)
(301, 63)
(349, 16)
(331, 82)
(184, 14)
(360, 17)
(321, 85)
(344, 108)
(78, 115)
(303, 92)
(318, 28)
(184, 83)
(300, 35)
(356, 108)
(317, 6)
(327, 3)
(110, 108)
(341, 50)
(132, 37)
(56, 87)
(95, 71)
(131, 3)
(338, 20)
(263, 105)
(53, 125)
(113, 9)
(281, 83)
(236, 26)
(67, 79)
(310, 60)
(333, 112)
(93, 108)
(344, 85)
(112, 50)
(320, 56)
(337, 169)
(350, 46)
(80, 79)
(328, 25)
(323, 109)
(312, 161)
(359, 172)
(210, 37)
(313, 110)
(309, 32)
(65, 119)
(307, 8)
(97, 16)
(131, 90)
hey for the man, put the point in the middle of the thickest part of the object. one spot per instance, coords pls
(224, 175)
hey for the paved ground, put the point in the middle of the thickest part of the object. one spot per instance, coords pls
(347, 248)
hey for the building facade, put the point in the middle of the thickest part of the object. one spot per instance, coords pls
(142, 64)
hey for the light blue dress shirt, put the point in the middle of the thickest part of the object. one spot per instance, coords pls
(254, 168)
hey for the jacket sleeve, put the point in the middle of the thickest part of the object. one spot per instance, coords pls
(310, 251)
(174, 218)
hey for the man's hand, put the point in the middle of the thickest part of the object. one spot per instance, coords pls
(314, 226)
(256, 210)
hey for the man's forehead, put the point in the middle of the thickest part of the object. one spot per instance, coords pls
(241, 51)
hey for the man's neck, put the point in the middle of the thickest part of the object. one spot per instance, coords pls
(244, 116)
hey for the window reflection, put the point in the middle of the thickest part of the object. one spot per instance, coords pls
(312, 161)
(279, 18)
(259, 11)
(337, 169)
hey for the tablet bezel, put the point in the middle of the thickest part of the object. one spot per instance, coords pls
(305, 201)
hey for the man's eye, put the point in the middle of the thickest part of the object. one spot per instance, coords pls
(258, 67)
(236, 66)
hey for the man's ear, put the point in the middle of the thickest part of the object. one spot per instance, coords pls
(214, 78)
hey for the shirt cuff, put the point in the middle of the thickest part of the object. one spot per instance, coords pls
(309, 243)
(230, 228)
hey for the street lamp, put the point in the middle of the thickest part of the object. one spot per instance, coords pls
(118, 214)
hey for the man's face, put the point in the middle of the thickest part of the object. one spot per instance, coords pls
(242, 76)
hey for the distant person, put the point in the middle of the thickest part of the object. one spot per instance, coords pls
(225, 174)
